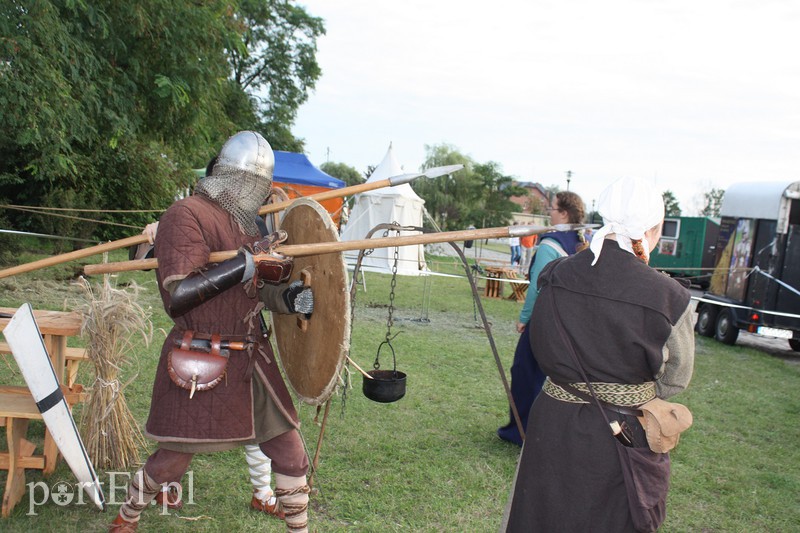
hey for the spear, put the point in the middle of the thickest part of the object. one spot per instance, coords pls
(299, 250)
(270, 208)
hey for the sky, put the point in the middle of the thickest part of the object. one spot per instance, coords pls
(690, 94)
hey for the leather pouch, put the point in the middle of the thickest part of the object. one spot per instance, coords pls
(193, 370)
(664, 422)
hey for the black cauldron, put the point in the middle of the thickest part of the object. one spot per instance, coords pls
(387, 386)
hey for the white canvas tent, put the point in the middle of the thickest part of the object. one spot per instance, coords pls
(383, 206)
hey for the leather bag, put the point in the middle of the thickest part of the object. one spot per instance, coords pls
(663, 423)
(193, 370)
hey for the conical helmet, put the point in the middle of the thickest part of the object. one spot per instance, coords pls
(248, 151)
(241, 179)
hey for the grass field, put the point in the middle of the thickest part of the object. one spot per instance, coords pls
(432, 462)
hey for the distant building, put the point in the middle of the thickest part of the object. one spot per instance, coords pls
(537, 197)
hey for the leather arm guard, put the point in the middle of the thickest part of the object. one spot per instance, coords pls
(200, 287)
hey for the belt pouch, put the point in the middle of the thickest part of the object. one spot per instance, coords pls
(196, 371)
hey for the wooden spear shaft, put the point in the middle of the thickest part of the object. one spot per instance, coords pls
(328, 195)
(72, 256)
(299, 250)
(269, 208)
(364, 187)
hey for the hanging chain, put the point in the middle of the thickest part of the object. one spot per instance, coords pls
(390, 319)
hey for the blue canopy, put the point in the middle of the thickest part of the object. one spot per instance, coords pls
(296, 169)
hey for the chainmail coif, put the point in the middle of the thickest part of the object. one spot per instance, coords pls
(239, 192)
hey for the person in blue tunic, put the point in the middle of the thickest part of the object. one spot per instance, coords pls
(526, 377)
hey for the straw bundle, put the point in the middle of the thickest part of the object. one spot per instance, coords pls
(112, 318)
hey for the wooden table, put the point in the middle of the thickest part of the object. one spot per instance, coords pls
(497, 276)
(17, 406)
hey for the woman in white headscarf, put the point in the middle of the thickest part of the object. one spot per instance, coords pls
(630, 329)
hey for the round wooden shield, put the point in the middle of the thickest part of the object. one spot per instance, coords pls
(312, 351)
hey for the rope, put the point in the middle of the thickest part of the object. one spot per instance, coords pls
(11, 206)
(735, 306)
(755, 270)
(46, 236)
(259, 467)
(773, 278)
(38, 212)
(114, 385)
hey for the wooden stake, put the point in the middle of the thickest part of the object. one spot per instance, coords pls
(315, 462)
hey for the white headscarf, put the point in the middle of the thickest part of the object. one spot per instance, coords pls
(629, 208)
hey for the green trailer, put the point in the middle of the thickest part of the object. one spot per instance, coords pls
(687, 248)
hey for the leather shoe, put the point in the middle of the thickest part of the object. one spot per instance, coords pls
(172, 497)
(120, 525)
(265, 507)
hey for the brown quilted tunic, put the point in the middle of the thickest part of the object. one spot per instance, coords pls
(188, 232)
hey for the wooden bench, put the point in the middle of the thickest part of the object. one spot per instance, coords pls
(18, 409)
(73, 356)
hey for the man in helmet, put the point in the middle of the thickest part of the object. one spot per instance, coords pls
(215, 306)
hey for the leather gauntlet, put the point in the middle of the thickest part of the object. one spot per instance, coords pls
(272, 268)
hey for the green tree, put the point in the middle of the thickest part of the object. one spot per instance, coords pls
(479, 194)
(495, 207)
(538, 206)
(275, 63)
(593, 217)
(713, 202)
(110, 104)
(671, 207)
(45, 101)
(344, 172)
(109, 101)
(448, 198)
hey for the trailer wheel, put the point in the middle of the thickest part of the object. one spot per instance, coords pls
(706, 320)
(795, 344)
(726, 331)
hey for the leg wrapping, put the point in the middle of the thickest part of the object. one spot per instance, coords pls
(141, 492)
(292, 493)
(259, 467)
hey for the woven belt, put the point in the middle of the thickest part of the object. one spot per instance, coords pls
(619, 394)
